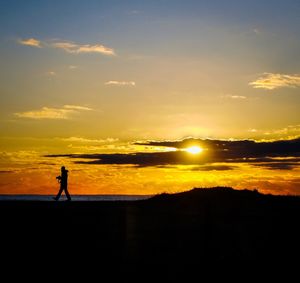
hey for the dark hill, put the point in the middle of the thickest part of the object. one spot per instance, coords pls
(220, 225)
(170, 232)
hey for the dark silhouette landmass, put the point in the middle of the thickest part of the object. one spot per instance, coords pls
(175, 233)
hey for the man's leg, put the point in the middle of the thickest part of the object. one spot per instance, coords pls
(59, 193)
(67, 194)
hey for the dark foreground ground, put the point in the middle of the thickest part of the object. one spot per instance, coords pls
(171, 233)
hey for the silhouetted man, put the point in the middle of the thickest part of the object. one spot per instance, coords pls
(63, 180)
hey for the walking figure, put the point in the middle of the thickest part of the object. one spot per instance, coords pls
(63, 180)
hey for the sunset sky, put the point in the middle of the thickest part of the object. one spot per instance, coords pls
(117, 91)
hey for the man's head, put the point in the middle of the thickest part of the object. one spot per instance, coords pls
(63, 168)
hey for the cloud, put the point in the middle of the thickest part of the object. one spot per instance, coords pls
(271, 155)
(213, 168)
(120, 83)
(30, 42)
(84, 140)
(272, 81)
(289, 132)
(76, 48)
(76, 107)
(65, 112)
(238, 97)
(6, 171)
(234, 96)
(69, 46)
(139, 159)
(107, 145)
(278, 165)
(51, 73)
(235, 148)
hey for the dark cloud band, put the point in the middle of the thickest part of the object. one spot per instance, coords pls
(283, 154)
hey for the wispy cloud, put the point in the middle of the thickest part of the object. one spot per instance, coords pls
(76, 107)
(238, 97)
(72, 67)
(6, 171)
(75, 48)
(272, 81)
(120, 83)
(31, 42)
(69, 46)
(229, 96)
(89, 141)
(65, 112)
(287, 133)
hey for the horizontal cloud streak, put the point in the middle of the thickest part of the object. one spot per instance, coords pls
(65, 112)
(30, 42)
(69, 46)
(272, 155)
(76, 48)
(6, 171)
(238, 97)
(120, 83)
(76, 107)
(278, 165)
(213, 168)
(272, 81)
(88, 141)
(230, 149)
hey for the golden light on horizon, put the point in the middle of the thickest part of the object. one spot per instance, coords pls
(194, 149)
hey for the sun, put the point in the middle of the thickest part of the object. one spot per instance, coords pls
(194, 149)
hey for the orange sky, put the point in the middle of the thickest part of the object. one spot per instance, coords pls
(96, 78)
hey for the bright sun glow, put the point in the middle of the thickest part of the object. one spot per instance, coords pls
(194, 149)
